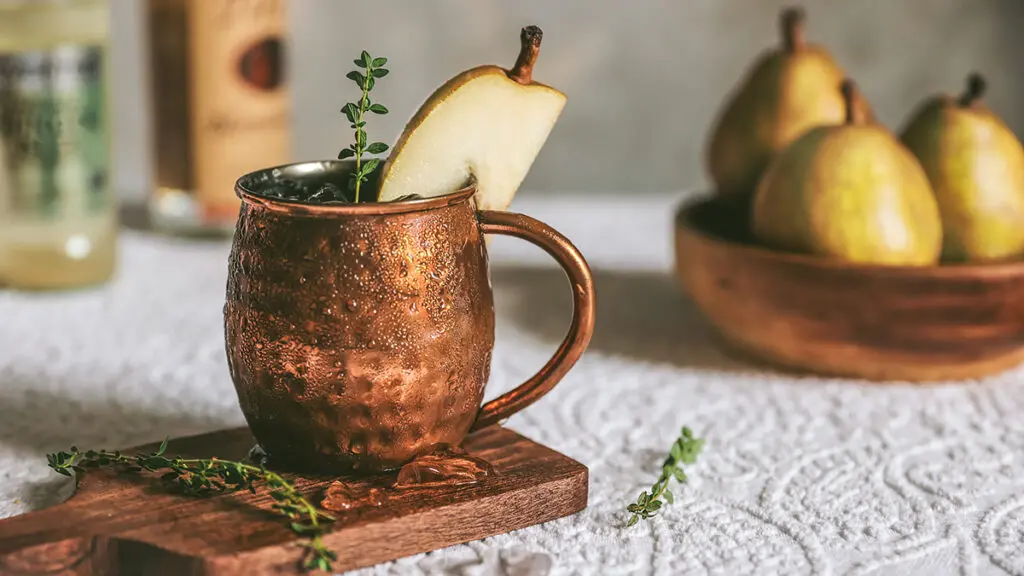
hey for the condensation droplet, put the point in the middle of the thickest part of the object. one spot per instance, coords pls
(352, 305)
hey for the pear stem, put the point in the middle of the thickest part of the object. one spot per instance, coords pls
(975, 90)
(792, 23)
(530, 39)
(854, 113)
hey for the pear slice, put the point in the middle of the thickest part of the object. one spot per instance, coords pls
(485, 125)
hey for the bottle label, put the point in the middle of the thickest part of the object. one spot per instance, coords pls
(241, 119)
(54, 147)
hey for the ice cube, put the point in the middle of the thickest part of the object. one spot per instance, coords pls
(328, 193)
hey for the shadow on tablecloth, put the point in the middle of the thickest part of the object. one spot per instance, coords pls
(642, 314)
(42, 417)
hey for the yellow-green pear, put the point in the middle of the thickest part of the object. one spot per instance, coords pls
(850, 192)
(788, 91)
(976, 167)
(485, 125)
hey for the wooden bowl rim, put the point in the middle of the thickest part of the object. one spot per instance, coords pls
(685, 220)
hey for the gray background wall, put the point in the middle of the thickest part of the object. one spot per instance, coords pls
(644, 77)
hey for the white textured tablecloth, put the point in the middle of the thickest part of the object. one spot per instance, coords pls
(800, 475)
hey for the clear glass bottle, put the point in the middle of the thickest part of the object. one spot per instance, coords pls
(220, 105)
(58, 216)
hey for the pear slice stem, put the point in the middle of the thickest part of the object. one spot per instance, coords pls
(974, 91)
(854, 113)
(529, 39)
(792, 23)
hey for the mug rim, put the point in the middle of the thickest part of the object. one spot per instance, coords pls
(298, 208)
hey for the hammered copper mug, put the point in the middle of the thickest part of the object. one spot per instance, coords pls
(359, 336)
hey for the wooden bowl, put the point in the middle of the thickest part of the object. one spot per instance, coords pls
(875, 322)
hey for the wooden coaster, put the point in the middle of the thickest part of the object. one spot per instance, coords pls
(127, 524)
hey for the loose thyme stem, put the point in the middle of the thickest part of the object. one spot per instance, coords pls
(684, 451)
(198, 477)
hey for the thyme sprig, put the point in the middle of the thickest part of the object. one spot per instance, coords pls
(201, 477)
(372, 68)
(684, 451)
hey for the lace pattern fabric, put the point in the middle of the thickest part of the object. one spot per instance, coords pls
(800, 474)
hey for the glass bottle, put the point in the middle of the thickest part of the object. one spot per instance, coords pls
(58, 216)
(220, 106)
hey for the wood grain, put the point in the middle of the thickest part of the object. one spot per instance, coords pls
(823, 316)
(125, 524)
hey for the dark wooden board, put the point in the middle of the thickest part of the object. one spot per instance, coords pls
(126, 524)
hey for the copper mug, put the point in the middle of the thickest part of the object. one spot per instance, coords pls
(360, 336)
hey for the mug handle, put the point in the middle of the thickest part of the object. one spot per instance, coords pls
(580, 329)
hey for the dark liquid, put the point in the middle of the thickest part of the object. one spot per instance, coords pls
(316, 188)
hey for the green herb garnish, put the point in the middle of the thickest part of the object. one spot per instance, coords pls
(200, 477)
(684, 451)
(373, 68)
